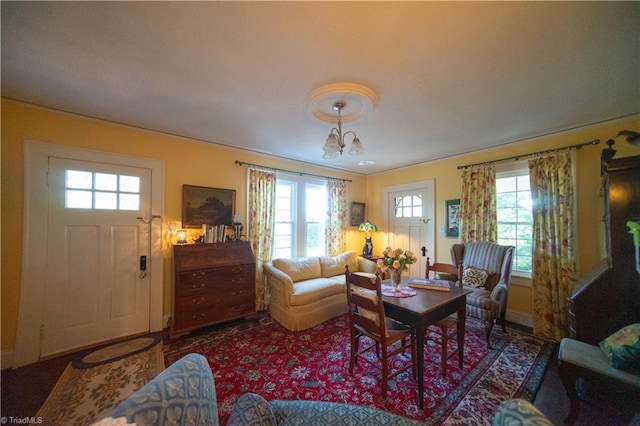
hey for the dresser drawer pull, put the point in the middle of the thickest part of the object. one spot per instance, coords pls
(199, 301)
(202, 285)
(198, 275)
(198, 316)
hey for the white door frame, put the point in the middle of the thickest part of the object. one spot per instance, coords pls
(430, 221)
(34, 253)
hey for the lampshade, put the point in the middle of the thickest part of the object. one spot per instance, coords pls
(368, 227)
(181, 236)
(356, 147)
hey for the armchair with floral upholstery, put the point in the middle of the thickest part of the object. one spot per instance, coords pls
(486, 270)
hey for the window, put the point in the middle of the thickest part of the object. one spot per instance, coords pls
(515, 218)
(301, 209)
(101, 191)
(408, 206)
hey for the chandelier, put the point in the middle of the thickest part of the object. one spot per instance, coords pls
(350, 102)
(335, 141)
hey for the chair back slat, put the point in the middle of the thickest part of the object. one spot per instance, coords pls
(364, 297)
(444, 271)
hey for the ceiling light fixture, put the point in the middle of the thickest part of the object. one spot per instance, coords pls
(350, 101)
(335, 141)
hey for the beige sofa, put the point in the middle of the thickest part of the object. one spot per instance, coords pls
(307, 291)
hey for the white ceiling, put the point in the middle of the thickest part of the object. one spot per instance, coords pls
(451, 77)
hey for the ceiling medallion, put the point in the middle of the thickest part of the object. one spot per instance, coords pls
(341, 102)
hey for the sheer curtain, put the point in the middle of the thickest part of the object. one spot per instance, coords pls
(478, 217)
(553, 273)
(336, 217)
(262, 206)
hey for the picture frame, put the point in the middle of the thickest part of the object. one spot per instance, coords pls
(210, 206)
(357, 213)
(452, 213)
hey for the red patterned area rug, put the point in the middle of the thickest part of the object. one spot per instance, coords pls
(265, 358)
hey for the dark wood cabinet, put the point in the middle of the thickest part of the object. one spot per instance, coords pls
(608, 297)
(212, 283)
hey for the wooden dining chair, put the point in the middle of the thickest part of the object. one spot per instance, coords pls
(367, 318)
(446, 328)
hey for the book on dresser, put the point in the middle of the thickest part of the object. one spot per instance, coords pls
(439, 285)
(212, 283)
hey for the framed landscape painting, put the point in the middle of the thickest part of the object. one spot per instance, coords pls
(453, 218)
(210, 206)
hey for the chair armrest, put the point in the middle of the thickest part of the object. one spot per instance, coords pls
(499, 294)
(280, 284)
(367, 265)
(520, 412)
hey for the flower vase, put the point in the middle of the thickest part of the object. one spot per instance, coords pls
(396, 277)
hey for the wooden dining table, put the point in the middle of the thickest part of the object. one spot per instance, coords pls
(424, 309)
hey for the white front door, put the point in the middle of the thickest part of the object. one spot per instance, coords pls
(410, 216)
(95, 287)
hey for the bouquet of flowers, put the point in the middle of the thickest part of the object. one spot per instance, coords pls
(397, 259)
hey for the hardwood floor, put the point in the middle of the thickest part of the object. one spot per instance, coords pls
(25, 389)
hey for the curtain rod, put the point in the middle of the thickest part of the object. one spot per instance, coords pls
(533, 154)
(242, 163)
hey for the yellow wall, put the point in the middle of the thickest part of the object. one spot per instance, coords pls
(198, 163)
(186, 162)
(448, 186)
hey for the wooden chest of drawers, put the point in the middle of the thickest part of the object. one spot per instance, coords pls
(212, 283)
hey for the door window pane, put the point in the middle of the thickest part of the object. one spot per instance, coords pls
(106, 182)
(408, 206)
(79, 180)
(78, 199)
(102, 191)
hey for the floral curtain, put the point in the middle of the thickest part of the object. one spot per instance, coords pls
(262, 206)
(553, 273)
(336, 217)
(478, 217)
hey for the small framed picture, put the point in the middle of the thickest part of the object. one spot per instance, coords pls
(357, 214)
(208, 206)
(453, 218)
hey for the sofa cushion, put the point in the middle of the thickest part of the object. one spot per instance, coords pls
(623, 347)
(301, 412)
(299, 269)
(331, 266)
(251, 409)
(309, 291)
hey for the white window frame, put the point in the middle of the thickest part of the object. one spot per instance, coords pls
(511, 169)
(299, 231)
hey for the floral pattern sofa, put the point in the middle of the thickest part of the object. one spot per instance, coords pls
(307, 291)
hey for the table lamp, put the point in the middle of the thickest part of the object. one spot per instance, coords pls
(367, 227)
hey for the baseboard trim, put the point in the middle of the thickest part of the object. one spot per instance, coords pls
(522, 318)
(6, 359)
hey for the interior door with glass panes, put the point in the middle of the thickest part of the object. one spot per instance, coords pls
(97, 288)
(411, 227)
